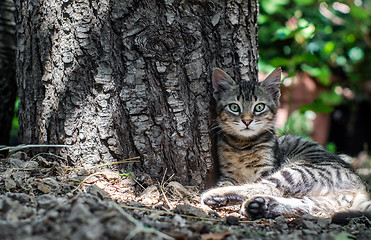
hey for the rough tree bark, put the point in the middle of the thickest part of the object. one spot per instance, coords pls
(8, 90)
(118, 79)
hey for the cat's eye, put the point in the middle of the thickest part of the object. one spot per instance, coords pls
(259, 107)
(234, 107)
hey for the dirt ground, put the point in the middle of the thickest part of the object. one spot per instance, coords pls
(41, 198)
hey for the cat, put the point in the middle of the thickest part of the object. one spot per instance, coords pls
(269, 175)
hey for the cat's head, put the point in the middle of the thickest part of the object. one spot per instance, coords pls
(248, 108)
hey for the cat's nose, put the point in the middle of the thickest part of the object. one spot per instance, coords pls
(246, 122)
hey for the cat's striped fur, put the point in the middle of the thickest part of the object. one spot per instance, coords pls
(272, 175)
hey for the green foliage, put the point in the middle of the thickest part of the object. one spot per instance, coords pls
(344, 236)
(299, 123)
(331, 147)
(317, 37)
(126, 175)
(324, 103)
(15, 125)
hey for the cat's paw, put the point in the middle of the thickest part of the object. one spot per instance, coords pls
(260, 207)
(218, 197)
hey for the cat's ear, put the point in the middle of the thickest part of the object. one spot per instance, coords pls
(221, 81)
(272, 83)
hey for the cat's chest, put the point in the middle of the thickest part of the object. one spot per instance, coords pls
(244, 166)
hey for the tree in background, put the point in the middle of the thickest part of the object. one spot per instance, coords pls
(8, 90)
(117, 79)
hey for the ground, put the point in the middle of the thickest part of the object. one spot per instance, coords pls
(42, 198)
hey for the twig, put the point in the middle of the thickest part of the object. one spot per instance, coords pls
(163, 177)
(23, 146)
(138, 183)
(50, 154)
(128, 160)
(172, 175)
(77, 168)
(166, 200)
(182, 215)
(161, 186)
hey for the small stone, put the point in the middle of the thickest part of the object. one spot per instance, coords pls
(31, 165)
(79, 212)
(82, 172)
(10, 184)
(46, 201)
(190, 210)
(19, 155)
(128, 182)
(20, 197)
(53, 214)
(309, 225)
(110, 175)
(179, 221)
(44, 188)
(215, 18)
(16, 162)
(90, 179)
(281, 222)
(150, 195)
(309, 232)
(52, 183)
(323, 222)
(95, 190)
(177, 190)
(309, 217)
(231, 220)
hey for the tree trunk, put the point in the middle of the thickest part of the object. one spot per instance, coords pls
(8, 91)
(117, 79)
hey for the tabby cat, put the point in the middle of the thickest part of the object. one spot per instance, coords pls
(270, 175)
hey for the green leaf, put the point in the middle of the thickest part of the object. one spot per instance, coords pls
(329, 47)
(331, 98)
(279, 61)
(344, 236)
(127, 175)
(317, 106)
(298, 123)
(272, 7)
(359, 12)
(304, 2)
(331, 147)
(282, 33)
(262, 18)
(323, 73)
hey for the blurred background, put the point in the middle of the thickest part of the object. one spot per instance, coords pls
(324, 49)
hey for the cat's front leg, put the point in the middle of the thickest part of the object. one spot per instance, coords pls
(233, 195)
(223, 196)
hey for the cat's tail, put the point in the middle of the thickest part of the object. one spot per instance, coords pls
(344, 218)
(363, 213)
